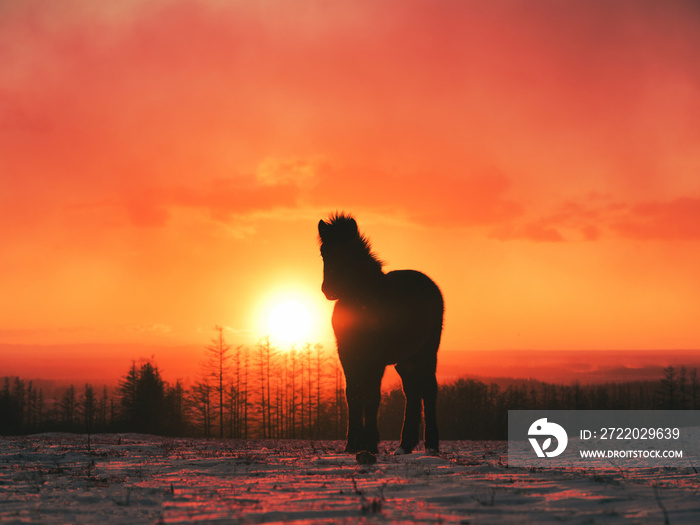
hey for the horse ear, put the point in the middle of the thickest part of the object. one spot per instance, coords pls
(322, 228)
(354, 225)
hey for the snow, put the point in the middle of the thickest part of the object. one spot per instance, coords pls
(131, 478)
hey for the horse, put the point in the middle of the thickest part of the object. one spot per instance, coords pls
(381, 319)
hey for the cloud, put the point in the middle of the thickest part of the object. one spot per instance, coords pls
(677, 219)
(234, 109)
(297, 171)
(292, 185)
(156, 329)
(572, 220)
(597, 216)
(432, 199)
(145, 210)
(220, 200)
(534, 231)
(223, 198)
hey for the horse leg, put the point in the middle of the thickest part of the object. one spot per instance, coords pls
(430, 389)
(372, 398)
(353, 395)
(412, 412)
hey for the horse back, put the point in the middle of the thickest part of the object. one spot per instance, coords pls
(415, 289)
(402, 320)
(414, 316)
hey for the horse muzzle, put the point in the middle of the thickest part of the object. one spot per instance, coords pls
(330, 294)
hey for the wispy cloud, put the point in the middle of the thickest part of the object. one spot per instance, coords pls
(597, 217)
(677, 219)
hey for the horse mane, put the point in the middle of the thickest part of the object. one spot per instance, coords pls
(343, 228)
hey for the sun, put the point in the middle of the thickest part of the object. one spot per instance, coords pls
(293, 315)
(289, 322)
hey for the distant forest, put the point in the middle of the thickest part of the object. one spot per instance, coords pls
(262, 392)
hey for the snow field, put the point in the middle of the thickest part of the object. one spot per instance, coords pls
(131, 478)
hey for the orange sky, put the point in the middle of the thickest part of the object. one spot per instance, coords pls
(163, 165)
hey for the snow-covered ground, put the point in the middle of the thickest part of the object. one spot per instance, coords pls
(130, 478)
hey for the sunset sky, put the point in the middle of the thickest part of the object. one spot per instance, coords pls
(164, 164)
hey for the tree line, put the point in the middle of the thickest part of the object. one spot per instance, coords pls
(470, 409)
(266, 392)
(241, 392)
(263, 392)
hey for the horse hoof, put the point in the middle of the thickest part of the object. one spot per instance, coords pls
(429, 451)
(401, 452)
(366, 458)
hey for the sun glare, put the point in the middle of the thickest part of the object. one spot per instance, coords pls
(289, 322)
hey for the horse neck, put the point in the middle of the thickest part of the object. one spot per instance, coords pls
(371, 282)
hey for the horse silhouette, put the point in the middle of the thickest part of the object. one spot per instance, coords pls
(381, 319)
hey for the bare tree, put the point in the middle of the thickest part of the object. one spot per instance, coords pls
(293, 394)
(260, 356)
(319, 359)
(668, 389)
(102, 409)
(244, 391)
(68, 406)
(218, 367)
(87, 407)
(694, 389)
(199, 404)
(682, 387)
(238, 392)
(30, 405)
(263, 356)
(40, 409)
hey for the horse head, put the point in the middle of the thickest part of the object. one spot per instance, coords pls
(349, 266)
(335, 236)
